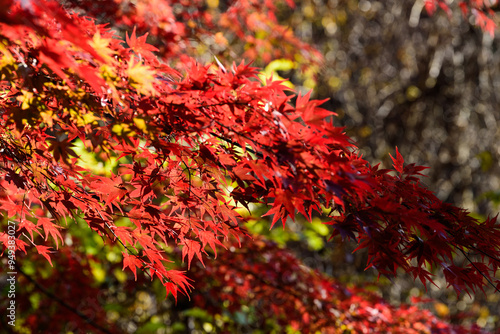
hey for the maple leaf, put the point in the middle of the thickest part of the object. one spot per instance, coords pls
(62, 150)
(139, 45)
(282, 207)
(398, 162)
(208, 237)
(50, 229)
(179, 278)
(29, 227)
(11, 207)
(110, 188)
(190, 249)
(141, 77)
(101, 46)
(15, 178)
(123, 233)
(311, 113)
(132, 262)
(44, 250)
(171, 289)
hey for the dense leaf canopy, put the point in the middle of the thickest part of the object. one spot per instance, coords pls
(157, 152)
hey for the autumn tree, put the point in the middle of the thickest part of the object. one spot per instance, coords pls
(106, 135)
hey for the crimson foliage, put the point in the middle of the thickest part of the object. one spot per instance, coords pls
(188, 147)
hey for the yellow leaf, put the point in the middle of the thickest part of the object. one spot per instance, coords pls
(141, 77)
(100, 45)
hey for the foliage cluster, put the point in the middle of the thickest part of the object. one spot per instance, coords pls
(163, 157)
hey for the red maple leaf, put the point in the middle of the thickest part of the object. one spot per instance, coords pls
(132, 262)
(110, 188)
(29, 227)
(139, 45)
(190, 249)
(44, 250)
(50, 229)
(398, 162)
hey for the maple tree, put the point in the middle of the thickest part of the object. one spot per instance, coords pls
(165, 157)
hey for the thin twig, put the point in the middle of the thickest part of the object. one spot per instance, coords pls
(479, 271)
